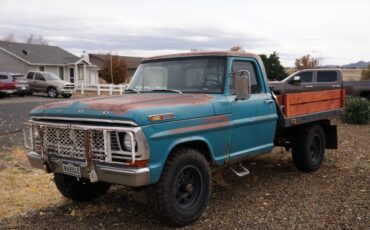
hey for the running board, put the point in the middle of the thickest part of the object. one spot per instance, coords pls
(242, 171)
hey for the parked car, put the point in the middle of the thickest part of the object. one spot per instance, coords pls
(15, 83)
(6, 88)
(49, 83)
(320, 79)
(180, 116)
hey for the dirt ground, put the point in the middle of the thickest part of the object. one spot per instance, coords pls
(274, 196)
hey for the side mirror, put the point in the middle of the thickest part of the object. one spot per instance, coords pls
(296, 80)
(242, 85)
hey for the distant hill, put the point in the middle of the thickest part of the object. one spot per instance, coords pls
(360, 64)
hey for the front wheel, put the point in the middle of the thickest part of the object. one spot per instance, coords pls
(79, 189)
(67, 95)
(308, 149)
(184, 189)
(52, 92)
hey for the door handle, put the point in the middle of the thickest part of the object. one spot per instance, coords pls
(309, 86)
(269, 101)
(335, 86)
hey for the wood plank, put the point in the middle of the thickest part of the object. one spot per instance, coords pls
(313, 107)
(308, 97)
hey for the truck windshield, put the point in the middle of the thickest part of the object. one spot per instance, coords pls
(51, 77)
(187, 75)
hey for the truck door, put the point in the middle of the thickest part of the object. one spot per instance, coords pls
(306, 83)
(254, 119)
(327, 80)
(40, 82)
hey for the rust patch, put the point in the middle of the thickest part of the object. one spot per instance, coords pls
(55, 105)
(89, 156)
(60, 104)
(125, 103)
(209, 123)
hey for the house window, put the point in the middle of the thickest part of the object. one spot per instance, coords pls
(41, 68)
(61, 72)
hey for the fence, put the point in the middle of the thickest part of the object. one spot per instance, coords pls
(99, 88)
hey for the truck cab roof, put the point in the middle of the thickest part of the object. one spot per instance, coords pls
(203, 54)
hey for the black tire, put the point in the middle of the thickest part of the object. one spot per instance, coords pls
(29, 93)
(184, 189)
(22, 94)
(67, 95)
(308, 149)
(79, 189)
(52, 92)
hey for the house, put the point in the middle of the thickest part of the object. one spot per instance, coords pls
(22, 57)
(131, 62)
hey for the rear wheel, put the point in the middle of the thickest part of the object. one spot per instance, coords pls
(308, 149)
(182, 194)
(79, 189)
(52, 92)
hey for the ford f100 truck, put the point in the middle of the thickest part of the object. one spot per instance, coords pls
(180, 116)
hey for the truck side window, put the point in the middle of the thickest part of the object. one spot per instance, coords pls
(326, 76)
(3, 77)
(306, 76)
(39, 77)
(244, 65)
(30, 75)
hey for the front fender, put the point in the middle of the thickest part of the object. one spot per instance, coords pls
(214, 131)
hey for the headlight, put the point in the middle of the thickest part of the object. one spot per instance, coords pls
(127, 141)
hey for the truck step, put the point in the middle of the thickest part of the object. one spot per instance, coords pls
(242, 171)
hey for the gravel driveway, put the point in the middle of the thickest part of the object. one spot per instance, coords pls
(274, 196)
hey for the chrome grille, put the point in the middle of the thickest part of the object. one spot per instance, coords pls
(73, 143)
(69, 87)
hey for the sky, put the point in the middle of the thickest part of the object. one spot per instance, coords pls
(335, 31)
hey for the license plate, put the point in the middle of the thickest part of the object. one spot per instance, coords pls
(23, 88)
(71, 169)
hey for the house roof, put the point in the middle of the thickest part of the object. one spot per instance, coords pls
(39, 54)
(131, 62)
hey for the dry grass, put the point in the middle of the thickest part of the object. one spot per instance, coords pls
(274, 196)
(23, 188)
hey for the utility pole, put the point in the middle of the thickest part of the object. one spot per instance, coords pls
(111, 68)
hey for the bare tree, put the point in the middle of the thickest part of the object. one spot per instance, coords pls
(237, 48)
(32, 39)
(9, 38)
(306, 62)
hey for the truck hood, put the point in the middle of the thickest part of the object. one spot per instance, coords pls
(132, 107)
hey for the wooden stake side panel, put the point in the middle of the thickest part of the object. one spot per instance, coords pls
(296, 104)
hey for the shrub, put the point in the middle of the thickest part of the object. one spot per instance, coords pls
(357, 111)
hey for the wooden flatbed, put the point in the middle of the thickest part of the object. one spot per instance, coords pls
(300, 108)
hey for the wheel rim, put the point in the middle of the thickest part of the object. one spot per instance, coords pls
(52, 92)
(315, 148)
(188, 187)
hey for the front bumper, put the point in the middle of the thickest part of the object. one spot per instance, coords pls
(66, 91)
(115, 174)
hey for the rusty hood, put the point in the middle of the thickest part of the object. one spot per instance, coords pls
(132, 107)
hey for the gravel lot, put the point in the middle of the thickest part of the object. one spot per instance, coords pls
(274, 196)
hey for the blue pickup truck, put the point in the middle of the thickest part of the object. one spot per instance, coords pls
(180, 116)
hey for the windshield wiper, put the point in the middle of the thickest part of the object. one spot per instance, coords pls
(166, 90)
(131, 90)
